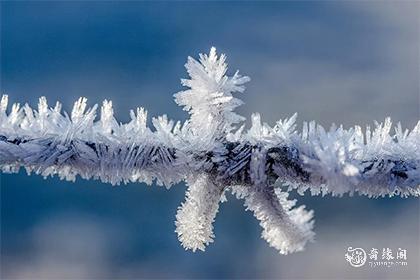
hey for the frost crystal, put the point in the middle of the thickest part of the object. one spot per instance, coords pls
(213, 154)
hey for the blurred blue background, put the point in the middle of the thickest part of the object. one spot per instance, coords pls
(343, 62)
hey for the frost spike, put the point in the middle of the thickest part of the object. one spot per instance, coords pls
(195, 216)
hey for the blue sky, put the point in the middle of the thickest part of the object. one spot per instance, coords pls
(344, 62)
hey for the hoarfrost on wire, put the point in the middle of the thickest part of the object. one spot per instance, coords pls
(213, 153)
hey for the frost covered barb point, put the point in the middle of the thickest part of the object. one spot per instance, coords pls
(214, 154)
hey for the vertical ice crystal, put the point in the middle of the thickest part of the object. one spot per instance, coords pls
(209, 99)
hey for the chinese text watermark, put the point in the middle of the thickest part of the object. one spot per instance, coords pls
(384, 257)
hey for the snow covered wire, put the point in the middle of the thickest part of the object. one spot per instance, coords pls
(214, 154)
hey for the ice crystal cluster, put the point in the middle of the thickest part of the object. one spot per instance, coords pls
(214, 153)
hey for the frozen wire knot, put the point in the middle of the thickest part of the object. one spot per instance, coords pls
(213, 153)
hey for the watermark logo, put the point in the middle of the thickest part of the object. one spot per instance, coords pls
(385, 257)
(356, 257)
